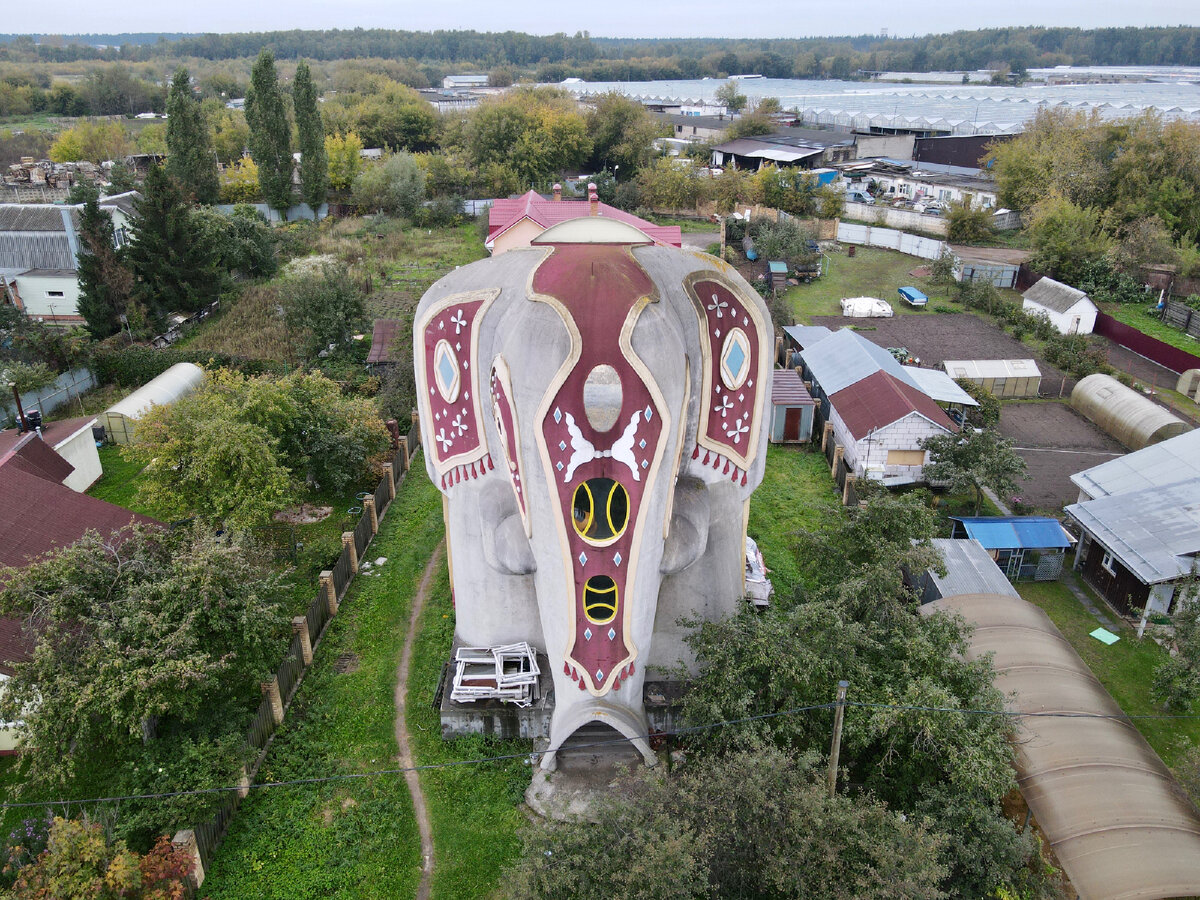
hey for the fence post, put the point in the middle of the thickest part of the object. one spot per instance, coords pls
(300, 627)
(850, 478)
(369, 509)
(185, 839)
(243, 790)
(350, 550)
(825, 433)
(270, 690)
(838, 451)
(416, 424)
(404, 453)
(331, 598)
(390, 474)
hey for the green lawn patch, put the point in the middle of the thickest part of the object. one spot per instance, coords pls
(870, 273)
(687, 226)
(119, 485)
(355, 838)
(1125, 669)
(797, 493)
(1143, 317)
(475, 809)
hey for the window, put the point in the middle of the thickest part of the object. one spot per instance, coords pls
(54, 293)
(600, 510)
(600, 599)
(1106, 563)
(905, 457)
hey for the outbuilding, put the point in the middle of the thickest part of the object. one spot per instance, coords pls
(791, 408)
(1069, 309)
(72, 439)
(1132, 418)
(121, 419)
(1001, 377)
(1024, 547)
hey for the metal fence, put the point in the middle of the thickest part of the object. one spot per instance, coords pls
(1142, 344)
(206, 837)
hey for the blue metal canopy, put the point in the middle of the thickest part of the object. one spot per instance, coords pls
(1015, 532)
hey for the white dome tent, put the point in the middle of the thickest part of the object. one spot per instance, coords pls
(121, 419)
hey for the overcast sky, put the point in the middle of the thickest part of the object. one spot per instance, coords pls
(614, 18)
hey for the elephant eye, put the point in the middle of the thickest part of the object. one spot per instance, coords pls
(600, 510)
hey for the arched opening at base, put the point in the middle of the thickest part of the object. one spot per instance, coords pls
(605, 736)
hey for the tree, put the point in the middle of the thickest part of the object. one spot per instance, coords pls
(1176, 683)
(173, 270)
(324, 309)
(240, 243)
(106, 283)
(270, 133)
(190, 158)
(396, 186)
(987, 414)
(941, 270)
(623, 135)
(974, 460)
(729, 97)
(751, 125)
(92, 141)
(535, 132)
(239, 182)
(968, 224)
(310, 134)
(230, 135)
(665, 185)
(80, 864)
(753, 824)
(1065, 237)
(144, 632)
(344, 152)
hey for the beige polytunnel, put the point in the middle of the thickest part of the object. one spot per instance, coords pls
(1189, 384)
(1132, 418)
(1118, 822)
(121, 418)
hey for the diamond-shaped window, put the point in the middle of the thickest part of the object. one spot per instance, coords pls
(612, 634)
(587, 634)
(735, 359)
(445, 370)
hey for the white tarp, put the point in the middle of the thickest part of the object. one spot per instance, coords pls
(866, 308)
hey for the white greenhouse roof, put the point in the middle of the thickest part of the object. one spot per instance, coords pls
(992, 368)
(181, 378)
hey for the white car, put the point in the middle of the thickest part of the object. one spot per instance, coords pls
(758, 586)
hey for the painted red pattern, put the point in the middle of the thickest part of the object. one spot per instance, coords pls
(728, 426)
(506, 423)
(599, 285)
(458, 447)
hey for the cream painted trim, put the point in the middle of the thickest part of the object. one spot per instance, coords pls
(488, 296)
(765, 353)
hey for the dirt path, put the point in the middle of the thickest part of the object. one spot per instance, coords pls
(402, 741)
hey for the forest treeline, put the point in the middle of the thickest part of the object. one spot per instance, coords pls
(555, 56)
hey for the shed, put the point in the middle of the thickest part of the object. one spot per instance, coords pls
(1071, 311)
(791, 408)
(866, 308)
(1030, 547)
(1132, 418)
(1002, 377)
(777, 272)
(179, 380)
(383, 336)
(970, 569)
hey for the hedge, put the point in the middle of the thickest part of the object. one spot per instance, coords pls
(134, 366)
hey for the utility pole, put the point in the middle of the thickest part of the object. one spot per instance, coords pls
(836, 747)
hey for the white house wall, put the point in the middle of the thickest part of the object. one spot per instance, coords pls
(867, 458)
(80, 451)
(49, 296)
(1085, 309)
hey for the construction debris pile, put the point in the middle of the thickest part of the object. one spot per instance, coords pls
(509, 674)
(44, 173)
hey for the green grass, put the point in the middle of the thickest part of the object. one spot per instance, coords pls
(687, 226)
(475, 809)
(119, 485)
(1125, 669)
(1142, 317)
(870, 273)
(797, 493)
(355, 838)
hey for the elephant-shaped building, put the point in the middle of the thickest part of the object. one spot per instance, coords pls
(592, 409)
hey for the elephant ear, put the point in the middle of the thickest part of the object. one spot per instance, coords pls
(690, 516)
(506, 549)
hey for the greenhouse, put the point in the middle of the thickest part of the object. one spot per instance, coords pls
(1132, 418)
(179, 380)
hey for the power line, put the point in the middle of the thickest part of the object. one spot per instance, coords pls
(531, 754)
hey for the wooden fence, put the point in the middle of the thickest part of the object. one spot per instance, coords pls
(1182, 316)
(845, 479)
(308, 629)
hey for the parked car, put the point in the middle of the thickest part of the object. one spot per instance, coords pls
(860, 197)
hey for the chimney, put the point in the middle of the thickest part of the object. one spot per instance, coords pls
(593, 200)
(557, 192)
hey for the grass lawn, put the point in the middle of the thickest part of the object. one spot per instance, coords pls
(797, 493)
(1142, 317)
(687, 226)
(870, 273)
(355, 838)
(119, 485)
(1125, 668)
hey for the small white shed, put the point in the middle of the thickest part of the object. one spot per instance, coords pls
(1070, 309)
(179, 380)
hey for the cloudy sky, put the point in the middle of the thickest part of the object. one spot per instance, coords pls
(615, 18)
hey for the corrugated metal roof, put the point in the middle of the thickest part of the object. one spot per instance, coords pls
(35, 217)
(1054, 295)
(532, 205)
(1168, 462)
(879, 400)
(806, 335)
(1015, 532)
(788, 390)
(992, 368)
(845, 357)
(382, 337)
(970, 569)
(1154, 532)
(939, 386)
(1110, 809)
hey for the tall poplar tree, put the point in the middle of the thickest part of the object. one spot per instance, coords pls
(190, 158)
(270, 133)
(310, 134)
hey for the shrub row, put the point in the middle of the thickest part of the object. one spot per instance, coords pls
(134, 366)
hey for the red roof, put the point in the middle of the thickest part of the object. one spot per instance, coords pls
(382, 338)
(881, 399)
(788, 390)
(506, 213)
(53, 433)
(31, 454)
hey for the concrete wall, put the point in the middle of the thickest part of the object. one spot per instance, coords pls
(80, 451)
(893, 146)
(50, 296)
(887, 238)
(63, 389)
(897, 218)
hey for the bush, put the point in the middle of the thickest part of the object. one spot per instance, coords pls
(1076, 355)
(134, 366)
